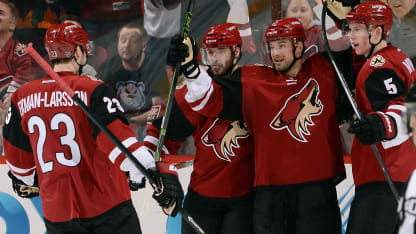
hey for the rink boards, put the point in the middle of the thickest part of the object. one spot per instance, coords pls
(20, 216)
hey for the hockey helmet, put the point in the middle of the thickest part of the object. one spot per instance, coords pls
(61, 40)
(220, 35)
(285, 28)
(372, 14)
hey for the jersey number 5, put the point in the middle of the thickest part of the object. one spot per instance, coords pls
(69, 139)
(390, 86)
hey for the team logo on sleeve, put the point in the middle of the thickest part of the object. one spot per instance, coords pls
(295, 116)
(377, 61)
(20, 49)
(223, 136)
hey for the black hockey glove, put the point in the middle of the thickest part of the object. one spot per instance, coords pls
(170, 194)
(372, 128)
(134, 186)
(23, 190)
(344, 109)
(177, 52)
(184, 52)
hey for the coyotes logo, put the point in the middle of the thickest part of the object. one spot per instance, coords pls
(222, 136)
(297, 111)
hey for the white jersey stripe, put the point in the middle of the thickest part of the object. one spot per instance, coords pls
(401, 135)
(116, 151)
(198, 88)
(154, 140)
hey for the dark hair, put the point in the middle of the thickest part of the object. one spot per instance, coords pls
(12, 9)
(75, 18)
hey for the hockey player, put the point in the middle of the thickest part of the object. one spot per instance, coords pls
(220, 196)
(406, 207)
(290, 112)
(380, 89)
(51, 144)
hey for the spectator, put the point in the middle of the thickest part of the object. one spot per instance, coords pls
(161, 21)
(104, 18)
(403, 31)
(16, 66)
(239, 16)
(127, 73)
(303, 10)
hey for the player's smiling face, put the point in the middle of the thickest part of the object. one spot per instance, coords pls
(281, 52)
(219, 59)
(360, 38)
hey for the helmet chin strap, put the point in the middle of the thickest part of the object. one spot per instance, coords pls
(372, 45)
(80, 65)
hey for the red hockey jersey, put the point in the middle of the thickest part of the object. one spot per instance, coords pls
(381, 86)
(16, 65)
(77, 165)
(224, 159)
(293, 121)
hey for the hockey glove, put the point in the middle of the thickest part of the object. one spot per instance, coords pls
(135, 177)
(343, 109)
(373, 128)
(184, 52)
(337, 10)
(24, 190)
(134, 185)
(170, 193)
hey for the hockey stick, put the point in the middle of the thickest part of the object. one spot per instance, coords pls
(353, 103)
(176, 73)
(149, 174)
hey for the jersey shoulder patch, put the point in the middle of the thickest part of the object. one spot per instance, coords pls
(19, 49)
(377, 61)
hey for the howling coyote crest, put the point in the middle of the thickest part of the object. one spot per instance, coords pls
(297, 111)
(222, 136)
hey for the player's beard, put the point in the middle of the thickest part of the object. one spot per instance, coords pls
(222, 69)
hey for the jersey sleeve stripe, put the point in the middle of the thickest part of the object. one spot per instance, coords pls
(402, 134)
(153, 141)
(397, 107)
(19, 170)
(27, 177)
(198, 88)
(116, 151)
(204, 101)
